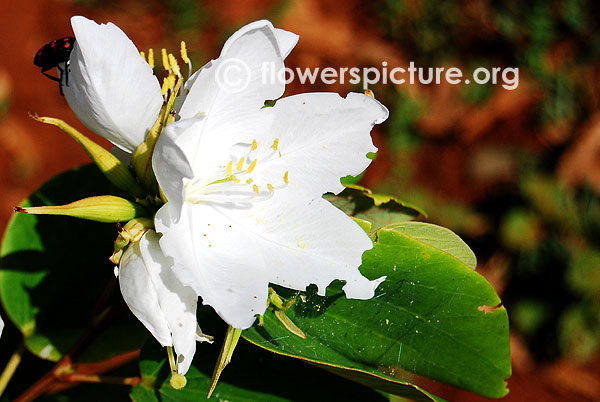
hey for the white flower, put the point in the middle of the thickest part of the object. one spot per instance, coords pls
(244, 185)
(230, 237)
(159, 300)
(113, 90)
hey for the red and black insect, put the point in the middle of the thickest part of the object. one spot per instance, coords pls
(51, 55)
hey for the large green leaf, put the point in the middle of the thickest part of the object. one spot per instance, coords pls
(439, 237)
(253, 375)
(54, 269)
(427, 318)
(378, 209)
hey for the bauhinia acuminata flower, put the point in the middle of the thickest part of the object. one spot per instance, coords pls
(114, 93)
(243, 184)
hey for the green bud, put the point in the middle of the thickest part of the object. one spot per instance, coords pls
(114, 170)
(102, 208)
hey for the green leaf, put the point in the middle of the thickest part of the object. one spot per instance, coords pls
(54, 269)
(426, 318)
(439, 237)
(253, 375)
(378, 209)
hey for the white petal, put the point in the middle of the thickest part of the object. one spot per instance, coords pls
(111, 89)
(234, 84)
(307, 241)
(1, 326)
(141, 296)
(158, 299)
(204, 149)
(170, 162)
(287, 41)
(177, 302)
(322, 137)
(202, 337)
(218, 259)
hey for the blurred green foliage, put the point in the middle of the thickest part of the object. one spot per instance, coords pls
(547, 231)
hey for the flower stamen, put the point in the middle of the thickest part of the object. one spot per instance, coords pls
(174, 65)
(185, 58)
(252, 166)
(184, 55)
(240, 165)
(165, 59)
(275, 144)
(151, 58)
(168, 83)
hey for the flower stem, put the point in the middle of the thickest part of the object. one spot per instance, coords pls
(11, 367)
(65, 364)
(133, 381)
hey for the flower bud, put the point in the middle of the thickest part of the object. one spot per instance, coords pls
(102, 208)
(114, 170)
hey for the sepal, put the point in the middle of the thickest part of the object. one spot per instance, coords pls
(114, 170)
(102, 208)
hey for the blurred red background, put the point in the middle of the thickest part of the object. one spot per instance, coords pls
(464, 157)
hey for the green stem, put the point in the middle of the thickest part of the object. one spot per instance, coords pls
(11, 367)
(229, 343)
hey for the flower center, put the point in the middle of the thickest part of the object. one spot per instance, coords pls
(170, 65)
(234, 184)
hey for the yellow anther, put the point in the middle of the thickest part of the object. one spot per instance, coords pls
(143, 55)
(173, 64)
(229, 168)
(255, 188)
(285, 178)
(240, 165)
(151, 57)
(275, 144)
(271, 188)
(184, 55)
(235, 179)
(370, 93)
(165, 59)
(249, 181)
(166, 84)
(254, 145)
(252, 165)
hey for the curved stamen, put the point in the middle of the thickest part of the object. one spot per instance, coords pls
(225, 186)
